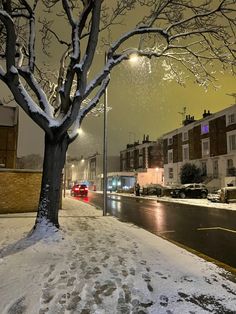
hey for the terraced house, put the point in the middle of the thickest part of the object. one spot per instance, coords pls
(144, 159)
(210, 143)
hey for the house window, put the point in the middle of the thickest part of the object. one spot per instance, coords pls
(185, 136)
(123, 165)
(230, 163)
(2, 162)
(170, 141)
(204, 168)
(131, 163)
(185, 152)
(205, 147)
(171, 173)
(215, 168)
(170, 156)
(93, 165)
(232, 142)
(140, 161)
(231, 119)
(205, 128)
(231, 170)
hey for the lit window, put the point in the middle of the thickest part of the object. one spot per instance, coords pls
(170, 156)
(205, 128)
(205, 147)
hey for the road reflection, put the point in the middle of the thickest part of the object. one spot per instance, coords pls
(206, 230)
(114, 204)
(160, 218)
(82, 198)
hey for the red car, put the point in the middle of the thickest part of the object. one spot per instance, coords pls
(79, 190)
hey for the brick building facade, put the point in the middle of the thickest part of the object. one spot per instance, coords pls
(210, 143)
(140, 156)
(145, 159)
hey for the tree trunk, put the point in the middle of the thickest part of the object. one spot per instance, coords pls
(54, 160)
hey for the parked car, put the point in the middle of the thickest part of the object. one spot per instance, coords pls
(192, 190)
(151, 189)
(79, 190)
(214, 197)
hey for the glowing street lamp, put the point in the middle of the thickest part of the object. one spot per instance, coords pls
(80, 131)
(134, 58)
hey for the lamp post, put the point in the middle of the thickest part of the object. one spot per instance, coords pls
(65, 177)
(105, 150)
(133, 59)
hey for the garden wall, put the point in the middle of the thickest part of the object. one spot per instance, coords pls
(19, 190)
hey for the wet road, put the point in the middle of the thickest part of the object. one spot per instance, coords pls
(210, 231)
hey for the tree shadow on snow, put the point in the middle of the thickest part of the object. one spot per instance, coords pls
(46, 234)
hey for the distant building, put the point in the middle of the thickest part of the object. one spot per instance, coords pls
(8, 136)
(145, 160)
(210, 143)
(89, 170)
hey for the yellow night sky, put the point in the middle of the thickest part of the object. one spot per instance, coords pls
(142, 103)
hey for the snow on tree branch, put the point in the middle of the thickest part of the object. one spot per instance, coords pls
(183, 34)
(10, 49)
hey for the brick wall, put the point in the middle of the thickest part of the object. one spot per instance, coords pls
(19, 190)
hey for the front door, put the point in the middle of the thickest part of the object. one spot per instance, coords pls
(215, 168)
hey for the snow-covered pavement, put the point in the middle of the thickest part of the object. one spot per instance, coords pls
(97, 264)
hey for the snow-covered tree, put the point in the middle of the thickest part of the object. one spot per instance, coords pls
(186, 36)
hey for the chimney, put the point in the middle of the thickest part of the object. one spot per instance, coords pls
(144, 138)
(206, 113)
(188, 119)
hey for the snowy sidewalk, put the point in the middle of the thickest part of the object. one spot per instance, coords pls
(99, 265)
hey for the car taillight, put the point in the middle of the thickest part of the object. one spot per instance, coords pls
(86, 189)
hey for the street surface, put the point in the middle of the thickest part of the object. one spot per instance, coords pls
(210, 231)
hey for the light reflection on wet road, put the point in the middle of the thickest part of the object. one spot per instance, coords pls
(210, 231)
